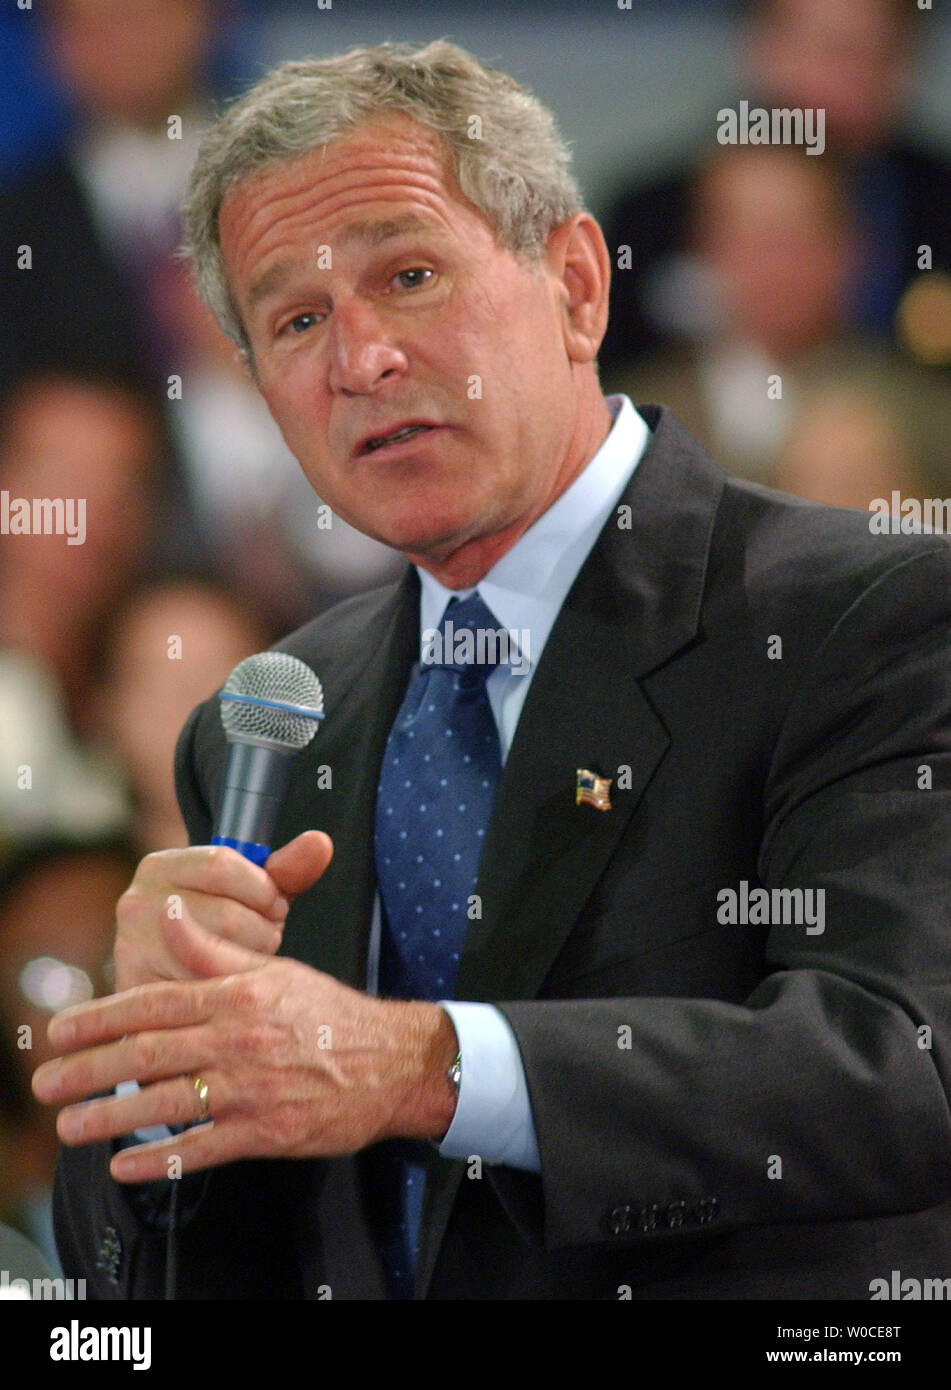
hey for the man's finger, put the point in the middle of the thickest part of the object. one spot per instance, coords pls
(171, 1102)
(215, 869)
(139, 1057)
(149, 1162)
(299, 864)
(230, 920)
(205, 1146)
(206, 955)
(165, 1004)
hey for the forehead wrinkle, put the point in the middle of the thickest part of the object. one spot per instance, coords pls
(391, 145)
(251, 219)
(281, 210)
(389, 166)
(370, 230)
(417, 171)
(348, 183)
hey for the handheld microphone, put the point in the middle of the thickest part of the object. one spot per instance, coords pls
(271, 705)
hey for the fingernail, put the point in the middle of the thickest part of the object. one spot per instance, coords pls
(280, 908)
(71, 1125)
(122, 1167)
(61, 1032)
(40, 1078)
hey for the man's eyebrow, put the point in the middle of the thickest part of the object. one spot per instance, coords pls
(271, 281)
(372, 233)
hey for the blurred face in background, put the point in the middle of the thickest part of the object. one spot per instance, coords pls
(771, 227)
(849, 57)
(132, 60)
(67, 439)
(846, 449)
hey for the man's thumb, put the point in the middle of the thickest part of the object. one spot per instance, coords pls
(300, 863)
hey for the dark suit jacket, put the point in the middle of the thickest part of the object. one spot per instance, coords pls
(754, 1050)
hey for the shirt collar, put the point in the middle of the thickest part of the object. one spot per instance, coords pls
(527, 587)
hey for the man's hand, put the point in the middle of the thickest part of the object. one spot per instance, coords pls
(296, 1063)
(215, 887)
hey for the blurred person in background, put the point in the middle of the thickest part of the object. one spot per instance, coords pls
(853, 59)
(776, 255)
(101, 214)
(57, 915)
(169, 645)
(93, 445)
(66, 437)
(866, 436)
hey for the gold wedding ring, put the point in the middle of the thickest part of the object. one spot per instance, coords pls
(201, 1090)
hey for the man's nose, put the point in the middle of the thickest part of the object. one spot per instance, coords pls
(362, 353)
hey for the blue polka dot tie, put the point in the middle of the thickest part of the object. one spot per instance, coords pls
(439, 776)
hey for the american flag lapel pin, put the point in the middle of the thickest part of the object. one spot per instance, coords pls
(593, 790)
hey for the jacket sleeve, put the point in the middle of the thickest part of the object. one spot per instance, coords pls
(825, 1094)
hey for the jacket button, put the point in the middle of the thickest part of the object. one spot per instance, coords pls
(707, 1209)
(676, 1214)
(647, 1219)
(619, 1221)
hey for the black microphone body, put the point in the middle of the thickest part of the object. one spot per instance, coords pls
(270, 708)
(256, 782)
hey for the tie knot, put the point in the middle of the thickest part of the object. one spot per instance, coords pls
(468, 641)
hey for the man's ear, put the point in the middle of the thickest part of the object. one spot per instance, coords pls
(578, 256)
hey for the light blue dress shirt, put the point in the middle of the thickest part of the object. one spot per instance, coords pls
(525, 591)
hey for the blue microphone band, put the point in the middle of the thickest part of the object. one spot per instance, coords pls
(306, 711)
(256, 853)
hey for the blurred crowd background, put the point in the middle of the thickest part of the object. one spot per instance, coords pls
(734, 267)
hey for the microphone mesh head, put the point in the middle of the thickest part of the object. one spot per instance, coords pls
(279, 679)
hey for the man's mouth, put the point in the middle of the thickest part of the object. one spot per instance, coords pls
(381, 440)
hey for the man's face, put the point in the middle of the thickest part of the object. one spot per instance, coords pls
(420, 317)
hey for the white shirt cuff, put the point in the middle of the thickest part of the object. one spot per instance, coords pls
(493, 1116)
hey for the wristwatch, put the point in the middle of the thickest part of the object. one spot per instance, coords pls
(454, 1077)
(454, 1072)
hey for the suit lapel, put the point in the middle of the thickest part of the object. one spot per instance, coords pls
(634, 606)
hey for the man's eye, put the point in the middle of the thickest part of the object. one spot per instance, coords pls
(301, 322)
(410, 275)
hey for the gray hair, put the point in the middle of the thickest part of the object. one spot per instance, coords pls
(517, 171)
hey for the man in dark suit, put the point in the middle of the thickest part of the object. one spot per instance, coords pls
(703, 1043)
